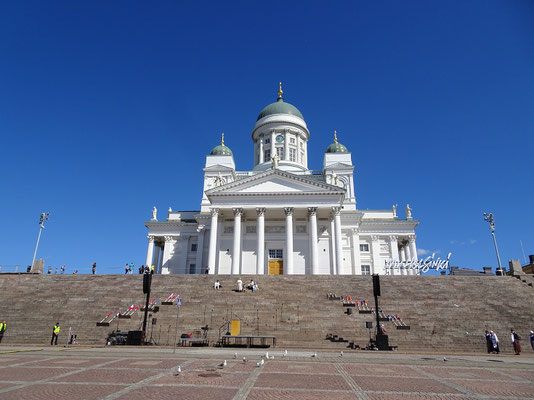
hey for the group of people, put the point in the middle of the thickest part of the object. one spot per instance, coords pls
(252, 286)
(129, 269)
(61, 270)
(492, 341)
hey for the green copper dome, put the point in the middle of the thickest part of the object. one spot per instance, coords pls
(336, 147)
(280, 107)
(221, 150)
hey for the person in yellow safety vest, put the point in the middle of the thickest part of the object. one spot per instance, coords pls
(152, 269)
(3, 327)
(55, 333)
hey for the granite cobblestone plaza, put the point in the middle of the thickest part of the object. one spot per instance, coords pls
(127, 373)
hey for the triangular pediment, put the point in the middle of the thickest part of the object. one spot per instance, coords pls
(275, 181)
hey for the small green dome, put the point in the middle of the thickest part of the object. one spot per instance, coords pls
(280, 107)
(336, 147)
(221, 150)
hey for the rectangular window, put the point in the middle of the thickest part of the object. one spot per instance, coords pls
(366, 270)
(276, 253)
(192, 268)
(292, 140)
(293, 155)
(193, 247)
(267, 156)
(280, 152)
(267, 141)
(364, 247)
(302, 157)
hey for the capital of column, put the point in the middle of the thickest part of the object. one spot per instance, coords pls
(312, 211)
(168, 239)
(288, 210)
(214, 212)
(411, 238)
(354, 231)
(150, 238)
(260, 212)
(393, 238)
(238, 211)
(375, 238)
(336, 210)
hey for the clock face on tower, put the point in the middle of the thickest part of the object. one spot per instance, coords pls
(279, 138)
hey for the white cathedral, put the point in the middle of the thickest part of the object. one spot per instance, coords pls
(281, 217)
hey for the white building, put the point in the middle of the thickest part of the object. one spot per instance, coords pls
(281, 217)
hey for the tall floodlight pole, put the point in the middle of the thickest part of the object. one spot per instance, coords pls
(489, 218)
(44, 217)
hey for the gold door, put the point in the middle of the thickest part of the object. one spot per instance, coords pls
(276, 267)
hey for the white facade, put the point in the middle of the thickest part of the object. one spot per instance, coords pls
(281, 217)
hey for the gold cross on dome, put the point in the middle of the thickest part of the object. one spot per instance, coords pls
(335, 136)
(222, 139)
(280, 91)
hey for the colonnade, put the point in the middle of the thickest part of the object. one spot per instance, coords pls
(260, 245)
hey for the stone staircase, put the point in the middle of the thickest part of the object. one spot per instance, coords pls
(445, 313)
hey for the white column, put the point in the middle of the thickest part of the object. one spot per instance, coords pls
(286, 146)
(236, 254)
(375, 250)
(356, 261)
(261, 151)
(409, 257)
(150, 251)
(314, 253)
(333, 246)
(394, 245)
(339, 250)
(413, 249)
(260, 231)
(200, 250)
(213, 240)
(288, 255)
(273, 141)
(165, 262)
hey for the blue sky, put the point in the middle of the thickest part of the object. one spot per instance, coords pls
(109, 108)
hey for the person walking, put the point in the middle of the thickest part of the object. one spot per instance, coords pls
(489, 343)
(515, 341)
(494, 342)
(126, 269)
(152, 269)
(55, 334)
(3, 327)
(94, 268)
(532, 339)
(62, 270)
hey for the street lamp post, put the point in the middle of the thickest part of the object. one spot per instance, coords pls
(489, 218)
(44, 217)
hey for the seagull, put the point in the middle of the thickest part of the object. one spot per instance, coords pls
(285, 353)
(179, 369)
(267, 355)
(445, 359)
(245, 359)
(341, 354)
(271, 358)
(235, 355)
(260, 363)
(314, 355)
(223, 364)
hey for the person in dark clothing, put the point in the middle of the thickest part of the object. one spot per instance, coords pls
(489, 343)
(3, 327)
(94, 268)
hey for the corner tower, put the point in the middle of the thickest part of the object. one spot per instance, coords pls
(281, 130)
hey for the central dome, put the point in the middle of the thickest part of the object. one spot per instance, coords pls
(280, 107)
